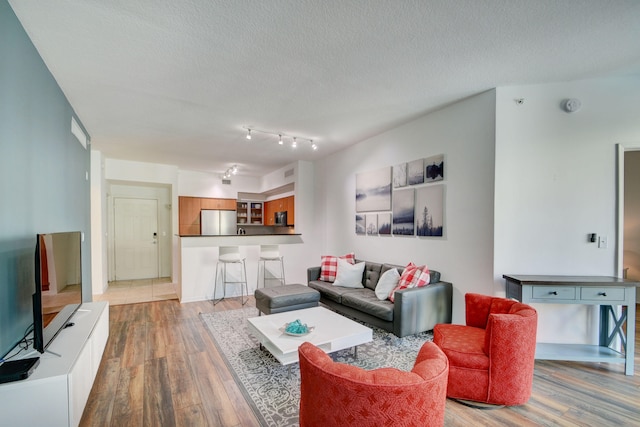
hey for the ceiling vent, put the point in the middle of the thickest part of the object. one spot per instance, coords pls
(226, 182)
(288, 173)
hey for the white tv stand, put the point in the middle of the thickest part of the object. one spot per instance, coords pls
(57, 391)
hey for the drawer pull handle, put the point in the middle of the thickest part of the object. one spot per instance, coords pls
(603, 294)
(553, 293)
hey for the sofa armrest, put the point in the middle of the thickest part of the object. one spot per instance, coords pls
(417, 310)
(313, 273)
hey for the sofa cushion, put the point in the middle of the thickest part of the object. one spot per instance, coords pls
(388, 281)
(371, 274)
(328, 291)
(349, 275)
(329, 266)
(365, 300)
(412, 277)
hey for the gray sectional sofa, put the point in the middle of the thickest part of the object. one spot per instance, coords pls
(415, 310)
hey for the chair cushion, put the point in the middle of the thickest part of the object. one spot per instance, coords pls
(463, 345)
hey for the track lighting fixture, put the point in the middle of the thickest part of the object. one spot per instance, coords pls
(231, 171)
(281, 136)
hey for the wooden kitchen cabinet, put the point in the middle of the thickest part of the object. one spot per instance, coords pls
(221, 204)
(269, 211)
(290, 204)
(189, 212)
(284, 204)
(189, 216)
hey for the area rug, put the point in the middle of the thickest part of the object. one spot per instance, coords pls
(272, 390)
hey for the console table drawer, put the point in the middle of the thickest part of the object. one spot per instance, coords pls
(602, 294)
(551, 292)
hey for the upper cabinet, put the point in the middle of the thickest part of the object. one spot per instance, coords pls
(290, 203)
(189, 216)
(189, 212)
(285, 204)
(249, 212)
(221, 204)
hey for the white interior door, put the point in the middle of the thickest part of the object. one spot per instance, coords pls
(136, 238)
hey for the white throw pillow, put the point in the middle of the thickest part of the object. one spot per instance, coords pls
(387, 282)
(349, 275)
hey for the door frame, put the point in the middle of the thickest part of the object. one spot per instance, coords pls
(620, 151)
(138, 190)
(115, 236)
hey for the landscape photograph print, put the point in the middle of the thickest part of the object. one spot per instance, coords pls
(403, 212)
(384, 223)
(434, 168)
(373, 190)
(400, 175)
(360, 224)
(429, 212)
(372, 224)
(415, 172)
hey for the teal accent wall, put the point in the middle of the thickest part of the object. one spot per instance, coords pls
(43, 188)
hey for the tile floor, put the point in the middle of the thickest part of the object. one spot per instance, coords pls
(134, 291)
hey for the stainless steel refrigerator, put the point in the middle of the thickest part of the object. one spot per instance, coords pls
(217, 223)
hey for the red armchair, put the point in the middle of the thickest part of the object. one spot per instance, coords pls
(336, 394)
(491, 358)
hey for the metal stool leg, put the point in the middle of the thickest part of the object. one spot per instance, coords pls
(246, 286)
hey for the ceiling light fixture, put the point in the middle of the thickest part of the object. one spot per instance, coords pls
(281, 137)
(233, 170)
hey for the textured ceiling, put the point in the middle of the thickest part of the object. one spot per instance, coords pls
(175, 81)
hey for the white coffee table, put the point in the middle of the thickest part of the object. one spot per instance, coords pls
(332, 332)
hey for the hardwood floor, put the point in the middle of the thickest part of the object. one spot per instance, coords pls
(161, 368)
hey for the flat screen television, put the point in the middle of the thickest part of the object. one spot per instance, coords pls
(58, 295)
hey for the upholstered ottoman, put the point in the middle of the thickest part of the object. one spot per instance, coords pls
(278, 299)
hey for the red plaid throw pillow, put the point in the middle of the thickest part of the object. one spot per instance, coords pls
(329, 266)
(412, 277)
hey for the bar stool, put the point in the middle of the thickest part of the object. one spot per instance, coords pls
(230, 255)
(269, 253)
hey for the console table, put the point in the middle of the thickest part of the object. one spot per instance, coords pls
(603, 291)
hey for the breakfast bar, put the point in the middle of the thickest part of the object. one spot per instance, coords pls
(199, 254)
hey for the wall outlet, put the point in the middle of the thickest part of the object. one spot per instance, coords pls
(602, 242)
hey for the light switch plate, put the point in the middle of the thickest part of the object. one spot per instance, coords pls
(602, 242)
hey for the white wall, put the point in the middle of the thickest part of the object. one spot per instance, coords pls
(464, 132)
(202, 184)
(555, 183)
(99, 278)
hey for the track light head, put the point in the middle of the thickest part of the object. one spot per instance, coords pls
(280, 139)
(248, 133)
(313, 145)
(294, 144)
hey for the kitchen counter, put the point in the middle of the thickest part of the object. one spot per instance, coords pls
(199, 254)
